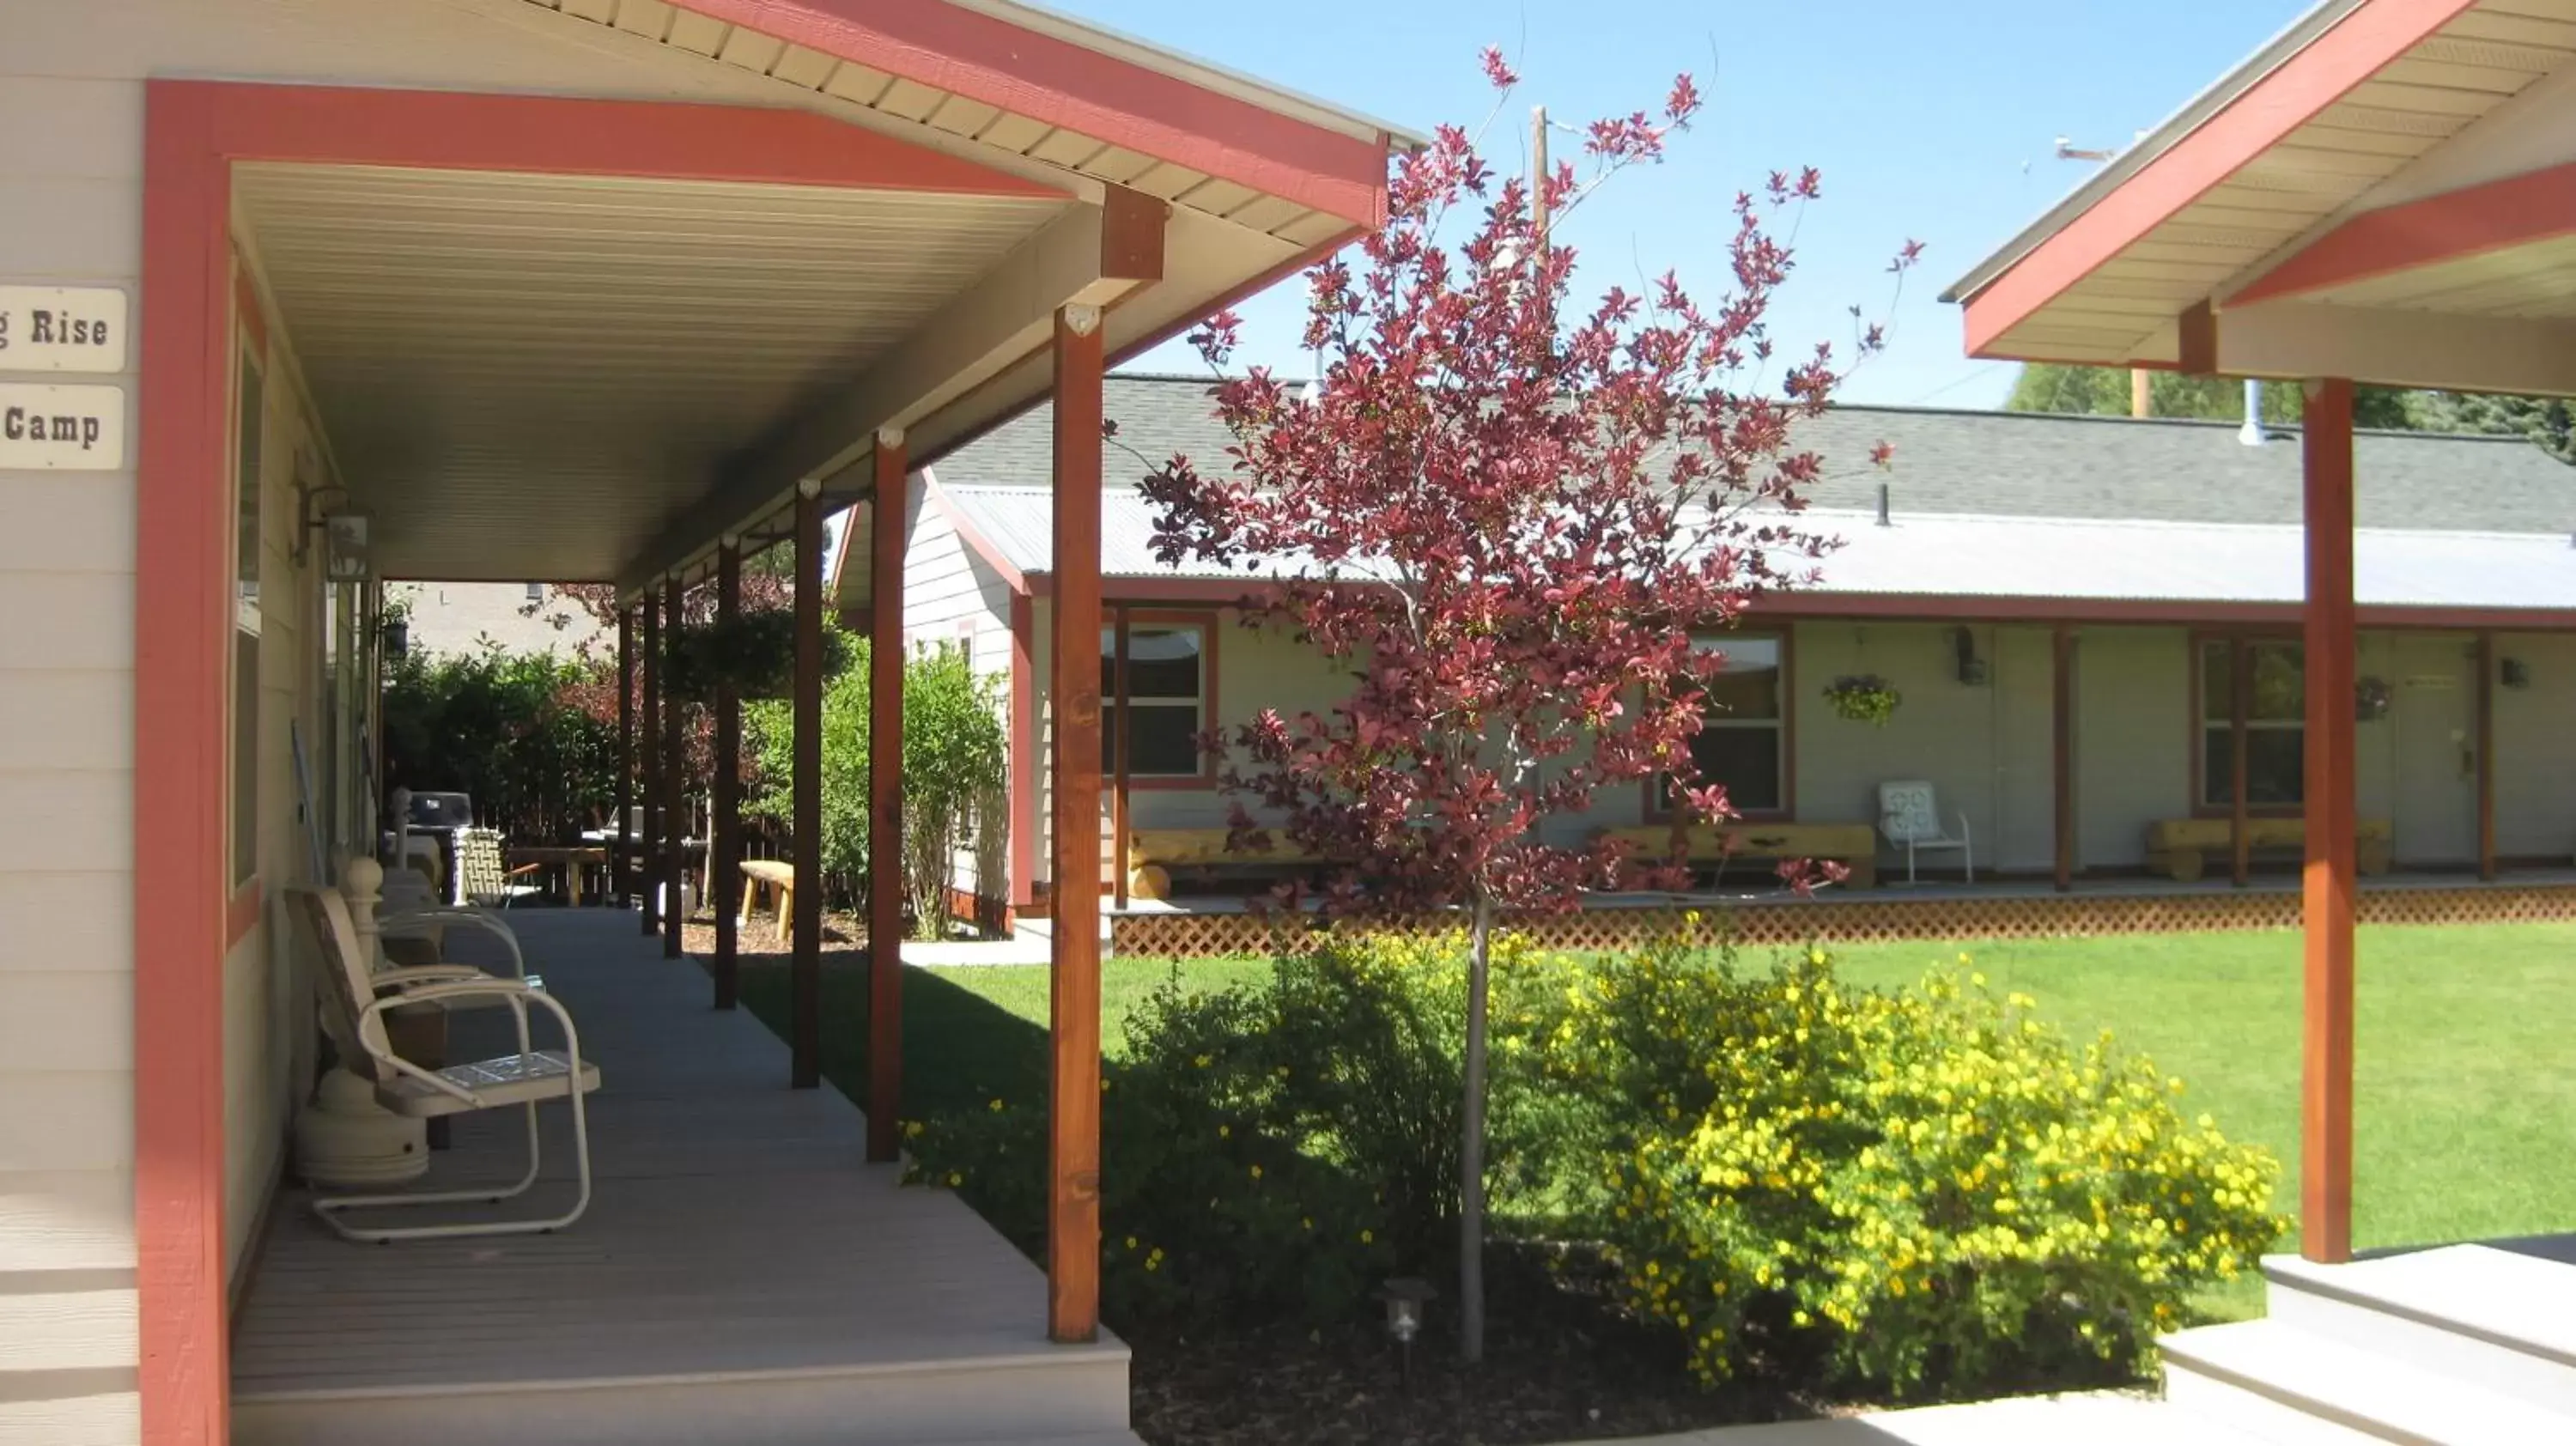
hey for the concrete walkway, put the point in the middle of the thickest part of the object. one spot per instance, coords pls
(2107, 1418)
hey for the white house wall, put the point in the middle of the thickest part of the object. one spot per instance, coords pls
(2133, 739)
(2535, 751)
(71, 167)
(951, 595)
(1973, 742)
(1988, 747)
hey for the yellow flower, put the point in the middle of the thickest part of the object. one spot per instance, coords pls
(1131, 1242)
(1203, 1061)
(1368, 1237)
(912, 1129)
(1225, 1132)
(995, 1107)
(955, 1179)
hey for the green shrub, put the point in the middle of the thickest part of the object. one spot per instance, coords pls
(1274, 1151)
(498, 726)
(1926, 1190)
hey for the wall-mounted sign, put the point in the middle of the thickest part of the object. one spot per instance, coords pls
(62, 329)
(62, 429)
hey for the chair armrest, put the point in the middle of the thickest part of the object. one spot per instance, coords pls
(460, 914)
(519, 995)
(412, 976)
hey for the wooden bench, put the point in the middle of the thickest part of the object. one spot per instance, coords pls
(778, 877)
(1152, 854)
(1853, 845)
(2180, 848)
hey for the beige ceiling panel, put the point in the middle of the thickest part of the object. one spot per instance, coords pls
(528, 377)
(910, 99)
(800, 66)
(1014, 133)
(750, 50)
(694, 32)
(2521, 30)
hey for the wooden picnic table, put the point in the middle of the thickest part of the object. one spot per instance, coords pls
(571, 859)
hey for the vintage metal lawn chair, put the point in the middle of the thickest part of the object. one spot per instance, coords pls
(1910, 817)
(484, 878)
(356, 998)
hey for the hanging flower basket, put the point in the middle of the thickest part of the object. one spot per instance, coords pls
(756, 653)
(1863, 698)
(2370, 699)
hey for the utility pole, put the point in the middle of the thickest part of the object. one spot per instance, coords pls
(2141, 381)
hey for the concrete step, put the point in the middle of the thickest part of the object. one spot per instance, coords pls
(2095, 1418)
(2285, 1385)
(2496, 1319)
(1053, 1396)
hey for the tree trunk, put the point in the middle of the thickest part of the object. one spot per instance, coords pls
(1471, 1147)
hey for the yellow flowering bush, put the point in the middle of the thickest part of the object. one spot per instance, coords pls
(1911, 1192)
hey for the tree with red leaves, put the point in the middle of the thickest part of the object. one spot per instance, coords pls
(1519, 528)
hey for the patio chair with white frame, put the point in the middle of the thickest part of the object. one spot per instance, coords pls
(356, 997)
(1910, 817)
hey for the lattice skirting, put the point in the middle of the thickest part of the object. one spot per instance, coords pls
(1847, 920)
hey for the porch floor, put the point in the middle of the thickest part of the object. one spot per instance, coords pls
(741, 1274)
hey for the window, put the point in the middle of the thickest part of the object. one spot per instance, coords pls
(1167, 678)
(2275, 724)
(1743, 724)
(536, 592)
(251, 408)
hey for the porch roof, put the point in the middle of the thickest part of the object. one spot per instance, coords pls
(583, 340)
(2164, 567)
(2379, 193)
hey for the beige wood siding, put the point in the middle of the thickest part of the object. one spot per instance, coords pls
(71, 153)
(952, 596)
(70, 165)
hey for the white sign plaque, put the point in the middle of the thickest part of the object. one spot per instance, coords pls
(62, 429)
(62, 329)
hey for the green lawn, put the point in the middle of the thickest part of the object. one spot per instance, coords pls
(2466, 1050)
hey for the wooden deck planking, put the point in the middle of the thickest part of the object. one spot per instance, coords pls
(734, 1232)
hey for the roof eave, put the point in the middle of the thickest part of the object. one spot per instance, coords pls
(2292, 39)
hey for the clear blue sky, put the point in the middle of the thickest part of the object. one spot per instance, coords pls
(1929, 118)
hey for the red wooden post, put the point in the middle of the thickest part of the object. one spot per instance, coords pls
(885, 800)
(675, 781)
(1119, 745)
(2325, 1145)
(725, 808)
(618, 877)
(2240, 743)
(1073, 1188)
(2062, 750)
(2484, 656)
(805, 969)
(649, 729)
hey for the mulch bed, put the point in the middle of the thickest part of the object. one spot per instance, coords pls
(757, 942)
(1560, 1365)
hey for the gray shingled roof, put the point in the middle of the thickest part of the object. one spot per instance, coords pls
(1958, 463)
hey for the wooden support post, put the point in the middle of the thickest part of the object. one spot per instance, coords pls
(619, 880)
(724, 811)
(2240, 744)
(2325, 1143)
(1073, 1097)
(805, 1028)
(1120, 744)
(649, 728)
(885, 800)
(2062, 751)
(2484, 657)
(675, 780)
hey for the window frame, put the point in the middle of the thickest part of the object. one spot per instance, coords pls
(1206, 623)
(248, 436)
(1658, 802)
(2202, 726)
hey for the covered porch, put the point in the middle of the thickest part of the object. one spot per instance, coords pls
(742, 1275)
(510, 331)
